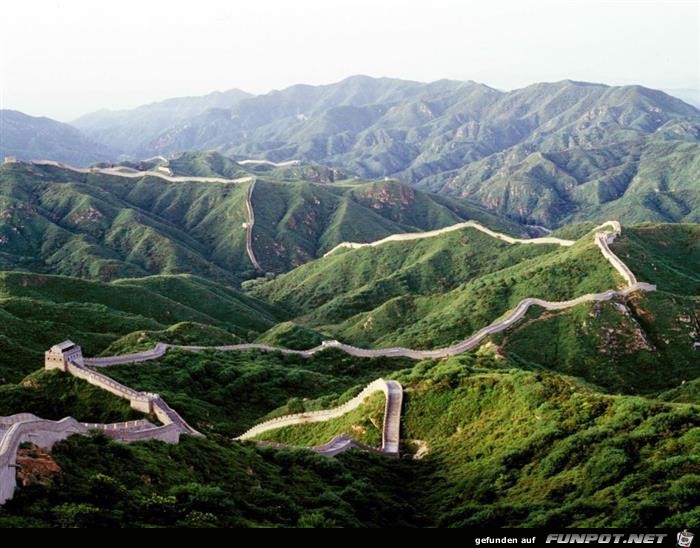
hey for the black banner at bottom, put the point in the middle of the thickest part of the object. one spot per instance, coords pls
(663, 538)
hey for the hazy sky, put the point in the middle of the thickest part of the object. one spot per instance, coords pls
(62, 58)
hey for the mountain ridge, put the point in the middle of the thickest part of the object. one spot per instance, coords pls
(33, 137)
(543, 154)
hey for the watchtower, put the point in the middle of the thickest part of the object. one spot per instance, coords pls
(59, 355)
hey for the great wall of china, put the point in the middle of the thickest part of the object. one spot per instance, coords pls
(601, 238)
(393, 393)
(459, 226)
(24, 427)
(249, 227)
(135, 174)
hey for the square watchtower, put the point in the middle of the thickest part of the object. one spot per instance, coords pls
(59, 355)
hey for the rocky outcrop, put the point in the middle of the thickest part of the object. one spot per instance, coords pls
(28, 428)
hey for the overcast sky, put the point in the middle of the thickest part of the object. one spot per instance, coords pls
(62, 58)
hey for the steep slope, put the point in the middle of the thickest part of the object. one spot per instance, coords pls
(645, 344)
(631, 181)
(102, 226)
(31, 138)
(437, 291)
(297, 223)
(105, 227)
(512, 449)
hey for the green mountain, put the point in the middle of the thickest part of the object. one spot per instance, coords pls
(30, 138)
(38, 310)
(582, 417)
(435, 292)
(586, 416)
(498, 446)
(545, 154)
(103, 227)
(634, 181)
(642, 345)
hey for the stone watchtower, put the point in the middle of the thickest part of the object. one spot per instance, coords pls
(59, 355)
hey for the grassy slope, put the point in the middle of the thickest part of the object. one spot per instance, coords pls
(291, 335)
(229, 392)
(105, 227)
(39, 310)
(666, 255)
(297, 222)
(364, 424)
(641, 345)
(434, 291)
(512, 448)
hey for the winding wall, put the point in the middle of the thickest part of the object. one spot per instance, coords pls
(145, 402)
(268, 163)
(26, 427)
(249, 227)
(464, 346)
(393, 393)
(459, 226)
(602, 239)
(134, 174)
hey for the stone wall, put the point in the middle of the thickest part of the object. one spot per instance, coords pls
(459, 226)
(602, 239)
(168, 433)
(391, 426)
(145, 402)
(316, 416)
(104, 382)
(40, 432)
(159, 350)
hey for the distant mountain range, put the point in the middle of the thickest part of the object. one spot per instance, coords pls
(133, 131)
(29, 137)
(546, 154)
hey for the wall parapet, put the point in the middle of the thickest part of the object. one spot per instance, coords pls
(392, 391)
